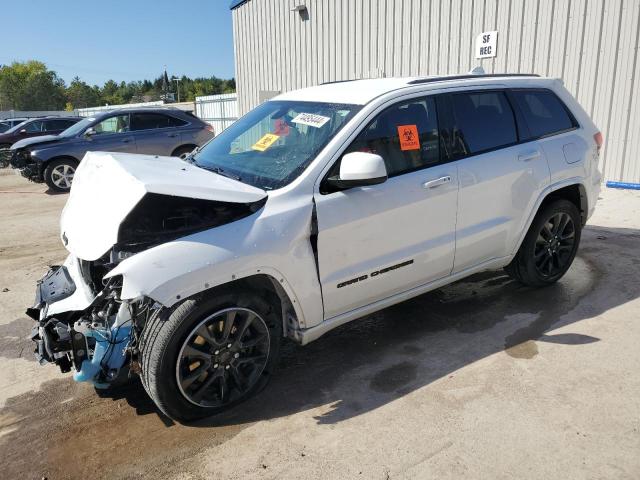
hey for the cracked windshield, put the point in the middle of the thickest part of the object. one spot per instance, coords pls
(273, 144)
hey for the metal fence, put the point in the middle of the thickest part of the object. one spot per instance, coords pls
(91, 111)
(219, 111)
(5, 114)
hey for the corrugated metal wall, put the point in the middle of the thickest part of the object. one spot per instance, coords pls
(591, 44)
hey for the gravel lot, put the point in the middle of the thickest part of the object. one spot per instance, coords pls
(482, 379)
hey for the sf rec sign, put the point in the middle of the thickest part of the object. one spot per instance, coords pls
(486, 44)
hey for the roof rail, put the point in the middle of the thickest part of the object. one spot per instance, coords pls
(343, 81)
(462, 77)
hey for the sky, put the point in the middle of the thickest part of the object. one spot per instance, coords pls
(120, 39)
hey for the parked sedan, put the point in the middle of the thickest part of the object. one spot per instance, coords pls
(155, 131)
(36, 127)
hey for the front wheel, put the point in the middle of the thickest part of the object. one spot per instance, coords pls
(549, 247)
(59, 174)
(210, 353)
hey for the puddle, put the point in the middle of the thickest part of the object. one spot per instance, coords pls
(526, 350)
(392, 378)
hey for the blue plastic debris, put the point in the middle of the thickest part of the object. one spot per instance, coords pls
(108, 354)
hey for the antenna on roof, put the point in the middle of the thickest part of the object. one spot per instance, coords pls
(477, 71)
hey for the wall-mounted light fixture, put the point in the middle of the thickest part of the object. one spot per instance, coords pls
(302, 11)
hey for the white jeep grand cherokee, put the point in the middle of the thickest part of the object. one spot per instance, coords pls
(316, 208)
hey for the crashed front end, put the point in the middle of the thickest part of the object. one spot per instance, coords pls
(79, 327)
(120, 205)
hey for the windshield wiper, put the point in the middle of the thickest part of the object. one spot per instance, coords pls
(220, 171)
(189, 158)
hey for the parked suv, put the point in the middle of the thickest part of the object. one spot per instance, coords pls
(36, 127)
(157, 131)
(316, 208)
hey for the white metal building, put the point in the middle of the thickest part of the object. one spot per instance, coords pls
(592, 45)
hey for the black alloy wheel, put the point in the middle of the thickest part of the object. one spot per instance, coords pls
(555, 244)
(223, 357)
(550, 245)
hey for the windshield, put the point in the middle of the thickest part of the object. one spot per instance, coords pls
(77, 128)
(273, 144)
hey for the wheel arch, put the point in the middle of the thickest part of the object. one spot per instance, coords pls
(48, 161)
(192, 146)
(264, 279)
(271, 287)
(572, 190)
(576, 193)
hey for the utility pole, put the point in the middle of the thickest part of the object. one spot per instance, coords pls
(177, 80)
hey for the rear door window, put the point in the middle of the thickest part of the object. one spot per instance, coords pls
(475, 122)
(543, 112)
(149, 121)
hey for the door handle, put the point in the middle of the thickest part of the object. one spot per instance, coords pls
(172, 135)
(525, 157)
(126, 140)
(437, 182)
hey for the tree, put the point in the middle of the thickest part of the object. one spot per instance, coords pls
(81, 95)
(30, 86)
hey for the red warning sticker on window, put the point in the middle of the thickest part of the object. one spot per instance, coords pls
(409, 139)
(281, 128)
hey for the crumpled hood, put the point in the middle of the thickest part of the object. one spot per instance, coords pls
(107, 186)
(27, 142)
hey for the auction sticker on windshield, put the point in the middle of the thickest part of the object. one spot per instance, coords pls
(311, 119)
(265, 142)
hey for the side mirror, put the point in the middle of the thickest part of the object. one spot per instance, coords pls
(359, 169)
(24, 130)
(89, 132)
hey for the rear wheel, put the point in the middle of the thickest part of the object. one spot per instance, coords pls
(182, 152)
(550, 246)
(59, 174)
(210, 353)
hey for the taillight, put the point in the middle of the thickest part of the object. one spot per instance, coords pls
(599, 140)
(210, 128)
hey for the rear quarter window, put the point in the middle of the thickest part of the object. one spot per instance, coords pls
(176, 122)
(543, 112)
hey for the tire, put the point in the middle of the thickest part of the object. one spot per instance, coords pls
(183, 151)
(58, 174)
(549, 247)
(168, 339)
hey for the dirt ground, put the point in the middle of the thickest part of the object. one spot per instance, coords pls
(481, 379)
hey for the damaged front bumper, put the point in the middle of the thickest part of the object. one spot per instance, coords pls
(78, 328)
(28, 166)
